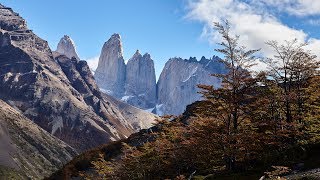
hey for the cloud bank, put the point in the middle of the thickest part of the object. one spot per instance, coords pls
(255, 21)
(93, 63)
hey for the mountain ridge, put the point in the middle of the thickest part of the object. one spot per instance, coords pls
(33, 81)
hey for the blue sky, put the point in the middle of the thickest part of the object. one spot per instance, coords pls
(170, 28)
(157, 27)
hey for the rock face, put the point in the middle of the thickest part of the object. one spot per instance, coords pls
(67, 47)
(26, 150)
(140, 82)
(135, 82)
(58, 93)
(177, 85)
(111, 71)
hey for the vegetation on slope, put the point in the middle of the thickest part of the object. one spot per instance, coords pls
(253, 123)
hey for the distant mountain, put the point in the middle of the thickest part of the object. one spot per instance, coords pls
(135, 82)
(55, 91)
(111, 71)
(177, 84)
(26, 150)
(67, 47)
(140, 81)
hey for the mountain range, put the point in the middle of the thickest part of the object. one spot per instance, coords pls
(51, 106)
(135, 82)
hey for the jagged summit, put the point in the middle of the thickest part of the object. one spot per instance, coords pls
(176, 90)
(114, 42)
(116, 36)
(140, 81)
(110, 73)
(67, 47)
(147, 56)
(136, 56)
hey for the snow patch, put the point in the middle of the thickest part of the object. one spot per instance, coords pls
(126, 98)
(106, 91)
(159, 109)
(7, 76)
(149, 110)
(192, 74)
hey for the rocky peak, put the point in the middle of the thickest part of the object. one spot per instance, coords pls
(193, 59)
(147, 56)
(67, 47)
(11, 21)
(115, 43)
(116, 36)
(111, 71)
(136, 56)
(140, 81)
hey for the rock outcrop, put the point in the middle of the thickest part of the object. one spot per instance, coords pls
(57, 93)
(177, 84)
(140, 81)
(111, 71)
(67, 47)
(26, 150)
(135, 82)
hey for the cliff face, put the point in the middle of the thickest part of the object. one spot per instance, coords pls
(111, 71)
(177, 84)
(136, 83)
(57, 93)
(140, 82)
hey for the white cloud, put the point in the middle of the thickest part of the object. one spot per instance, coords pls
(93, 63)
(306, 7)
(293, 7)
(252, 20)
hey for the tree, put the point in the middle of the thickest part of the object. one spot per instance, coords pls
(291, 67)
(312, 110)
(230, 102)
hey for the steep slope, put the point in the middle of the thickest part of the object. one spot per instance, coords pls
(32, 81)
(67, 47)
(177, 84)
(83, 81)
(110, 73)
(112, 152)
(26, 150)
(138, 118)
(140, 81)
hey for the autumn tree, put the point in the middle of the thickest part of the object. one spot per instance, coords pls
(237, 125)
(312, 110)
(231, 101)
(290, 68)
